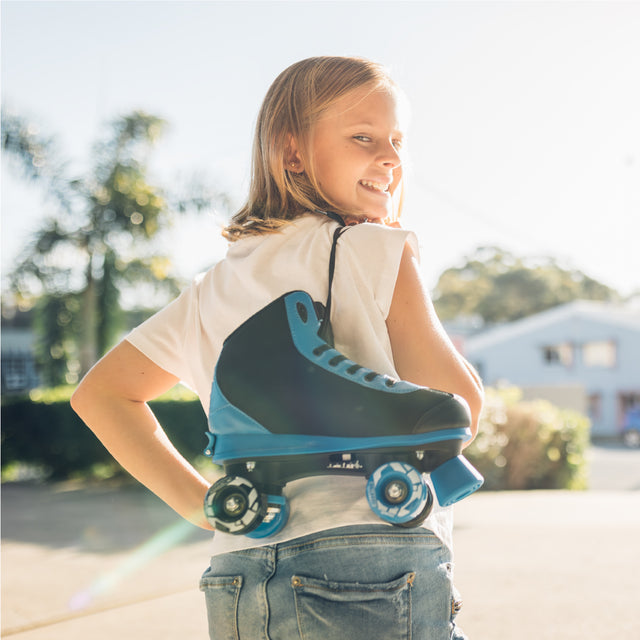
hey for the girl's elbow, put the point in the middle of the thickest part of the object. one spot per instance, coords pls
(475, 400)
(86, 398)
(478, 396)
(80, 399)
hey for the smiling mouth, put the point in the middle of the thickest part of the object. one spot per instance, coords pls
(379, 187)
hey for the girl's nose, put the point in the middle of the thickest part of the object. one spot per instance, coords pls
(390, 156)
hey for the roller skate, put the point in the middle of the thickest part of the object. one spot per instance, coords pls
(286, 405)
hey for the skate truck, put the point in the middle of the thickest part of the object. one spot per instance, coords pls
(286, 405)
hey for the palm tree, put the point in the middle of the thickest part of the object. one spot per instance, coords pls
(98, 241)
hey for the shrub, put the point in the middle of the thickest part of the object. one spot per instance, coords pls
(42, 431)
(529, 445)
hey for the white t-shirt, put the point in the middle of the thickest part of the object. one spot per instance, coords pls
(186, 338)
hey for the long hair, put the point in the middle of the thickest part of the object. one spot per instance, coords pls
(292, 106)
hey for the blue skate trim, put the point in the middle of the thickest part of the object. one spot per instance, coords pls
(211, 444)
(247, 446)
(454, 480)
(228, 420)
(237, 436)
(306, 339)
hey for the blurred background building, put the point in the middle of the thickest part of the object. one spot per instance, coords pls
(583, 355)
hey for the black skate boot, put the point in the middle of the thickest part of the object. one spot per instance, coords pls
(286, 405)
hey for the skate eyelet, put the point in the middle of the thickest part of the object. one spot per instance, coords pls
(389, 382)
(302, 312)
(353, 369)
(336, 360)
(318, 351)
(371, 376)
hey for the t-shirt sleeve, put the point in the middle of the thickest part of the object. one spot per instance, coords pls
(164, 337)
(376, 253)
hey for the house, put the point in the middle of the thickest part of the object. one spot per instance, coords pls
(581, 353)
(18, 364)
(20, 371)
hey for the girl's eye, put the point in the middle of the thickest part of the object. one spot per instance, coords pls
(362, 138)
(397, 144)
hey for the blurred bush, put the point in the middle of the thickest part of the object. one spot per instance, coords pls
(42, 435)
(529, 445)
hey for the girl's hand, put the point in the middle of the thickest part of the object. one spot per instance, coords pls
(112, 401)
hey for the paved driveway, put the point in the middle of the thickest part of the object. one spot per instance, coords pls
(115, 563)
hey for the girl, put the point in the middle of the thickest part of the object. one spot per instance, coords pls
(329, 137)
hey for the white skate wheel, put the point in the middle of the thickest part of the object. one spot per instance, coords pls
(233, 505)
(397, 492)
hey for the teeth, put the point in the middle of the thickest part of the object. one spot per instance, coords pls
(378, 186)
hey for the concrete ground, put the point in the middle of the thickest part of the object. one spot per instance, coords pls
(107, 562)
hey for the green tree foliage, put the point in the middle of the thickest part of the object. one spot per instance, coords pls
(499, 287)
(98, 240)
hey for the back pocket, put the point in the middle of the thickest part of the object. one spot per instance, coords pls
(329, 610)
(221, 595)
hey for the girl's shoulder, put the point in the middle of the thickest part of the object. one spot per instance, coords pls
(301, 225)
(313, 233)
(379, 239)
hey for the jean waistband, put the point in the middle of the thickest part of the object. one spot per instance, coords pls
(370, 534)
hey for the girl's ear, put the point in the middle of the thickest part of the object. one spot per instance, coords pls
(292, 159)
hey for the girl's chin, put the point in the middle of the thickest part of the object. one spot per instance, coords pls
(366, 217)
(376, 214)
(369, 214)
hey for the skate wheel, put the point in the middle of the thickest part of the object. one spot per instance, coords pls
(455, 479)
(274, 521)
(422, 516)
(234, 505)
(397, 492)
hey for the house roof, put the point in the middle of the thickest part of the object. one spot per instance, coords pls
(601, 312)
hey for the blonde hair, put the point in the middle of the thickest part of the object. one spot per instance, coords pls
(292, 106)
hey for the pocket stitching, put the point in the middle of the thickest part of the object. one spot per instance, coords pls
(297, 582)
(210, 583)
(313, 586)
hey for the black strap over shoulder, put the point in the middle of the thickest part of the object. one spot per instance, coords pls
(325, 331)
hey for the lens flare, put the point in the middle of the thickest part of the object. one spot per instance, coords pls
(152, 548)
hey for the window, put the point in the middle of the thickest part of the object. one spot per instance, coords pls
(600, 353)
(595, 407)
(558, 354)
(18, 372)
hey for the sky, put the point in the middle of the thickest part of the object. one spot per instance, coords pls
(525, 128)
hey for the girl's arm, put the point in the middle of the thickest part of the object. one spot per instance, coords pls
(422, 351)
(111, 400)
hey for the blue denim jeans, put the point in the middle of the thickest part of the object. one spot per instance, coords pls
(364, 582)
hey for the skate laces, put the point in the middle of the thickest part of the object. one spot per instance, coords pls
(338, 359)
